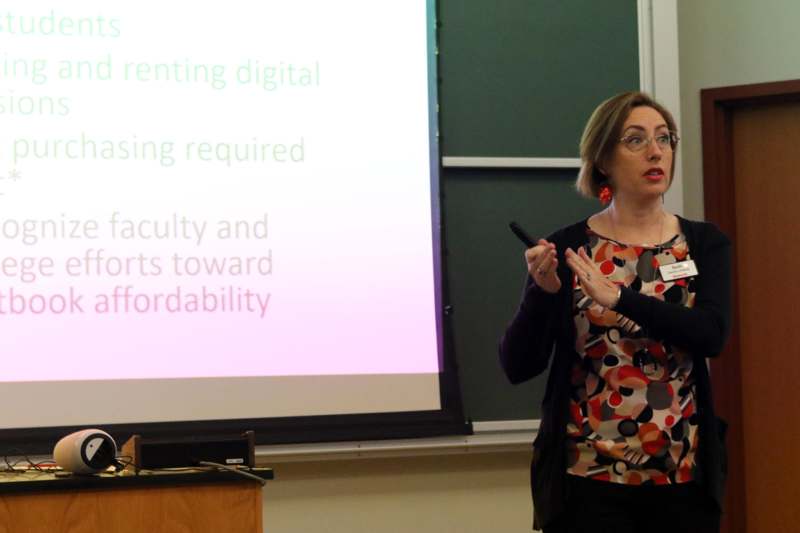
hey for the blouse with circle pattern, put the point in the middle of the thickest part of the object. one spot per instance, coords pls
(632, 407)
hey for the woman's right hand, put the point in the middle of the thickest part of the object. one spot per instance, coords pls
(542, 263)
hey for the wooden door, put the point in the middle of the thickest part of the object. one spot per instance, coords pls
(757, 144)
(766, 146)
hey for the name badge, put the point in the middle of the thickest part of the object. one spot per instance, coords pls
(680, 270)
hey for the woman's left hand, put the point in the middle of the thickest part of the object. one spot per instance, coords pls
(593, 282)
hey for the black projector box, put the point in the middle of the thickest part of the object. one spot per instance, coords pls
(148, 454)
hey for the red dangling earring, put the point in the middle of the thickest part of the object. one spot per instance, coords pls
(605, 195)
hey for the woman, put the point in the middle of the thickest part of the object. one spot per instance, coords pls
(625, 307)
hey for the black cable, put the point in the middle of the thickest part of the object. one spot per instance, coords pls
(11, 467)
(121, 464)
(235, 470)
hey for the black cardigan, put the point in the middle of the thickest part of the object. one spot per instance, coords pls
(544, 326)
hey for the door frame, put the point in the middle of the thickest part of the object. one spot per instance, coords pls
(717, 107)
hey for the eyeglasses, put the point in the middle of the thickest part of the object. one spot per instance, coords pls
(637, 142)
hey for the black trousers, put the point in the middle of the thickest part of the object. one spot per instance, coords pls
(603, 507)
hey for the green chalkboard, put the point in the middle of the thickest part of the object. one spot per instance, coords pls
(486, 271)
(518, 78)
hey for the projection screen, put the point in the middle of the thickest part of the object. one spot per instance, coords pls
(217, 212)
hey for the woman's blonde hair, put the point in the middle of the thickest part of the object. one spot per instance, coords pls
(602, 133)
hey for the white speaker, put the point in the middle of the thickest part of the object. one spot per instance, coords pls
(85, 452)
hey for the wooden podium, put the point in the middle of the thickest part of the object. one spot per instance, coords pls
(191, 501)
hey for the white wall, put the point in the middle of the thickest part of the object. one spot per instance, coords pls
(467, 492)
(729, 42)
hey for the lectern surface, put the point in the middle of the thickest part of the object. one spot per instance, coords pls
(49, 480)
(159, 502)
